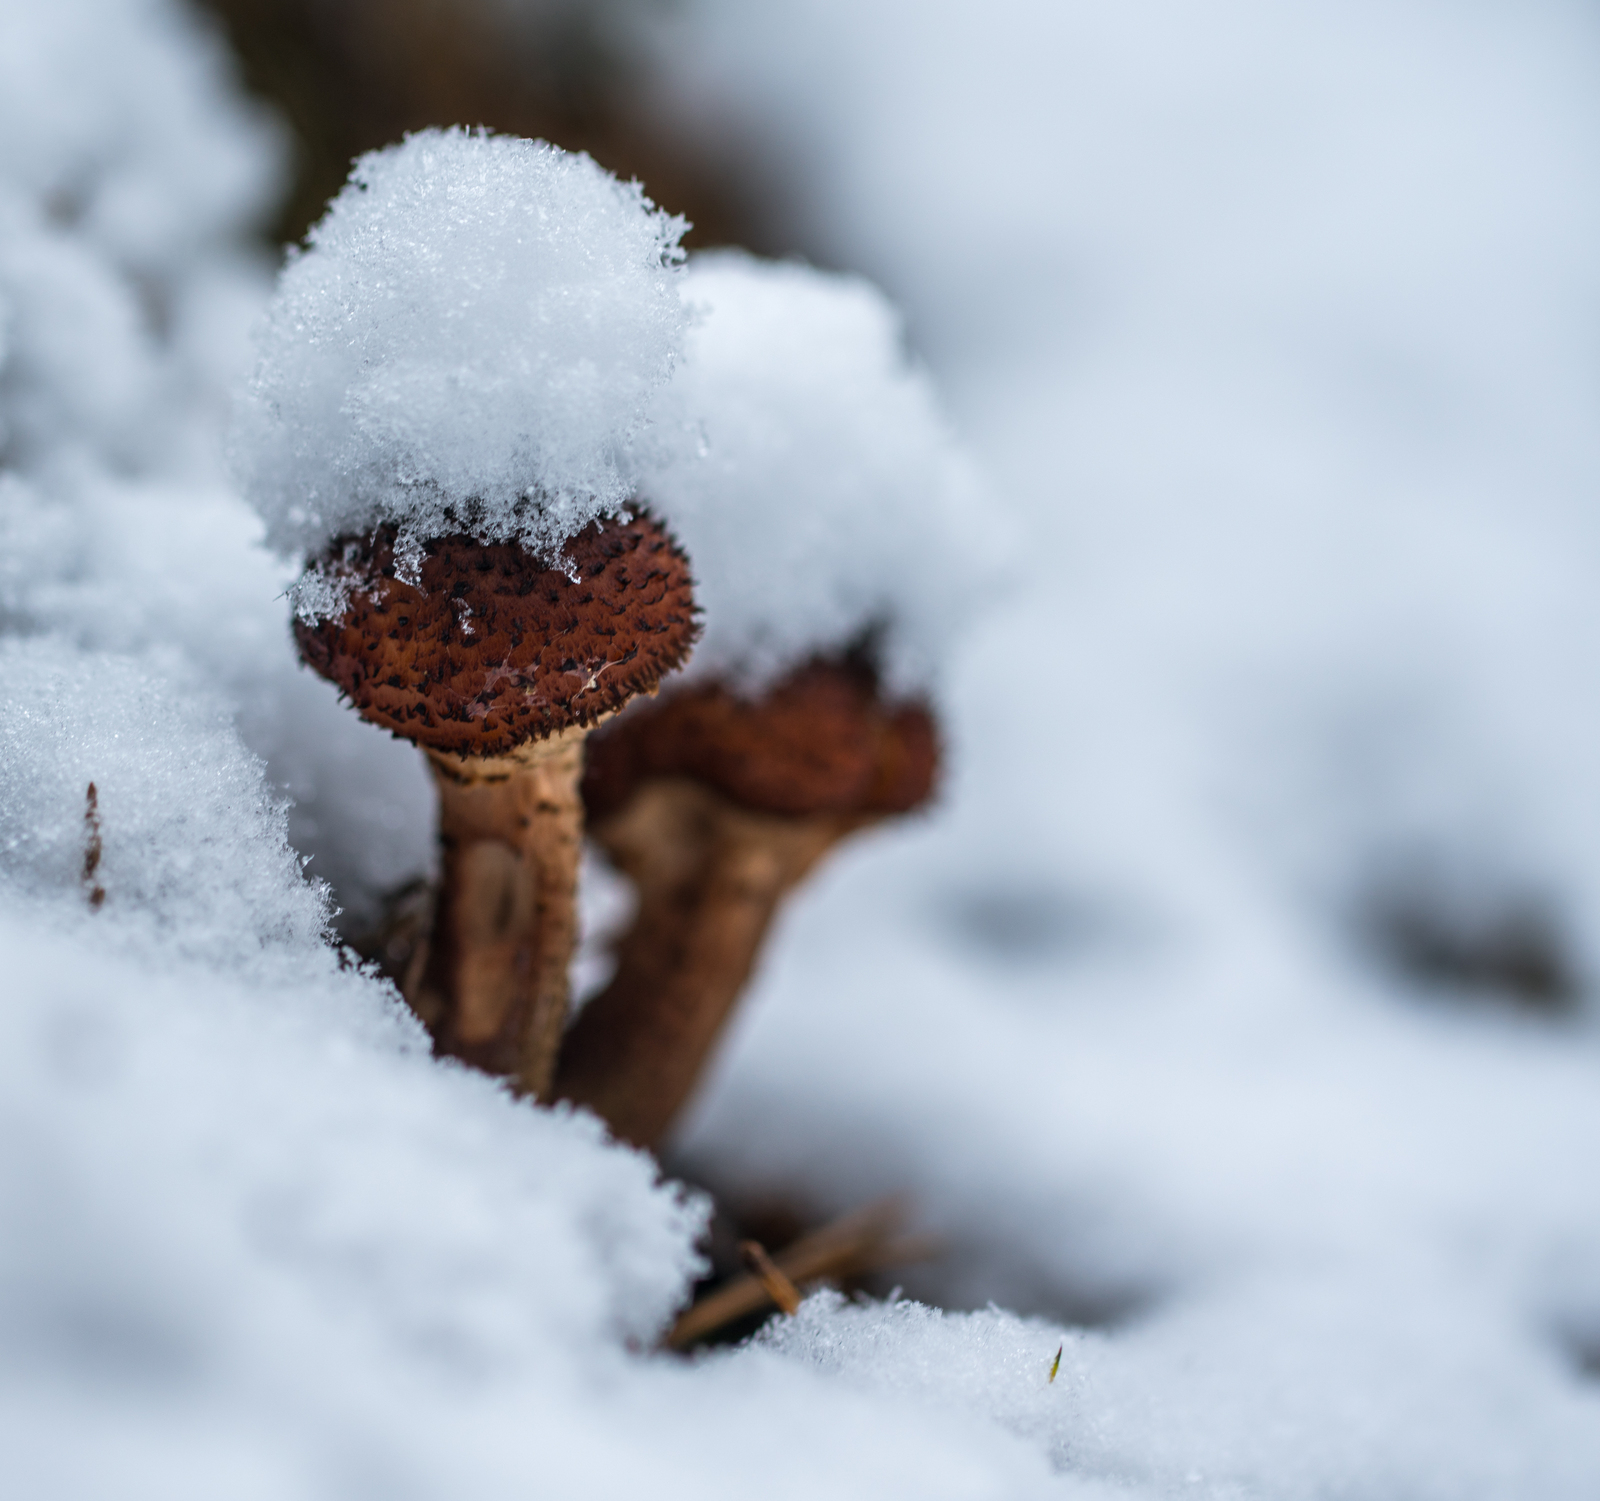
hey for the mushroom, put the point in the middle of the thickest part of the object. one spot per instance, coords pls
(716, 806)
(498, 664)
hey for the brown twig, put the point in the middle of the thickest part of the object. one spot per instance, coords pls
(861, 1241)
(92, 850)
(773, 1282)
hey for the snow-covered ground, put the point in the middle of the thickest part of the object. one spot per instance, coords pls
(1275, 329)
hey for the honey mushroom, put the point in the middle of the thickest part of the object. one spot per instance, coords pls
(497, 664)
(717, 806)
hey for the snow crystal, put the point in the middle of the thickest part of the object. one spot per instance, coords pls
(470, 342)
(805, 465)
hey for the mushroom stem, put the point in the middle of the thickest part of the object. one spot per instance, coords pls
(494, 990)
(710, 877)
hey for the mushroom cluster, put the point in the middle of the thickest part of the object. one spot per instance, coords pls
(455, 380)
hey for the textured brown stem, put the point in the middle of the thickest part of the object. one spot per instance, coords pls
(710, 876)
(494, 990)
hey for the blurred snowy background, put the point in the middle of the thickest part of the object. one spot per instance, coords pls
(1231, 1020)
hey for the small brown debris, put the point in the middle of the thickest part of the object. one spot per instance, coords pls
(92, 850)
(861, 1241)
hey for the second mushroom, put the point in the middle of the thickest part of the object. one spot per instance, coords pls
(717, 805)
(838, 537)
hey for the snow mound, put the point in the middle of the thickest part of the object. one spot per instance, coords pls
(250, 1223)
(223, 1147)
(805, 465)
(118, 528)
(470, 342)
(180, 837)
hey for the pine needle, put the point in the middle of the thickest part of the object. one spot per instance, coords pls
(778, 1287)
(859, 1242)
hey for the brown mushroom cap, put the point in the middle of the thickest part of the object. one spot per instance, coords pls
(822, 741)
(496, 648)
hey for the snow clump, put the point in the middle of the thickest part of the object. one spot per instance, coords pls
(180, 841)
(804, 463)
(470, 342)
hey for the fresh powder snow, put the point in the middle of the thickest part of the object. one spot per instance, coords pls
(469, 342)
(803, 460)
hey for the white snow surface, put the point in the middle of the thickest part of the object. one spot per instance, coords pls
(469, 342)
(1272, 323)
(819, 490)
(189, 844)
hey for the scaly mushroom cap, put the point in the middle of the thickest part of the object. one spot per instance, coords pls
(495, 647)
(821, 741)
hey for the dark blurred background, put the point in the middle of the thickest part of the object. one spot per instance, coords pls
(348, 76)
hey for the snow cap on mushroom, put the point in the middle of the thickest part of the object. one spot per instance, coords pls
(804, 462)
(468, 344)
